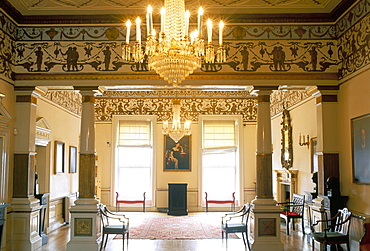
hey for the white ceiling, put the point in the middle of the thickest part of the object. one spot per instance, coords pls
(102, 7)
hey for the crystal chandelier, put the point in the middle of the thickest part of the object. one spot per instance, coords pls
(174, 54)
(177, 130)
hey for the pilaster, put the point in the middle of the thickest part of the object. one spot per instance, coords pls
(327, 135)
(25, 207)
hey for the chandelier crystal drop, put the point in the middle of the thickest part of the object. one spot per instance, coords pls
(173, 53)
(177, 131)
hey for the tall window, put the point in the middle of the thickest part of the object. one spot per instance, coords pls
(134, 157)
(220, 158)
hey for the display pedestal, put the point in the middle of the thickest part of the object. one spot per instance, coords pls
(177, 199)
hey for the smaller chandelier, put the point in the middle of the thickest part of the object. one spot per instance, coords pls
(177, 131)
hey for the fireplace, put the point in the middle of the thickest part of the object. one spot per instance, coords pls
(286, 184)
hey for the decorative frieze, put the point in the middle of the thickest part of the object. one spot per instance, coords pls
(354, 48)
(286, 99)
(244, 56)
(191, 108)
(70, 100)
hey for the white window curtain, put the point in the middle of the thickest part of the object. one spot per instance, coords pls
(134, 159)
(219, 158)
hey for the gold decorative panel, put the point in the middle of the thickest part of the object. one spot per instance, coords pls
(191, 108)
(83, 227)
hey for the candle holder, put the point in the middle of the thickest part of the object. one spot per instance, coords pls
(304, 140)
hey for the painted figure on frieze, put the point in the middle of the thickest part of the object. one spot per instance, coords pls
(278, 58)
(39, 55)
(245, 54)
(107, 57)
(313, 54)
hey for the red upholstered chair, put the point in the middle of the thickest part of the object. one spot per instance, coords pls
(365, 241)
(120, 201)
(293, 210)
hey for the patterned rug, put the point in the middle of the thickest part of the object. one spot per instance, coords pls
(164, 227)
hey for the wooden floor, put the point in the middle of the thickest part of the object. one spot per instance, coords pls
(59, 238)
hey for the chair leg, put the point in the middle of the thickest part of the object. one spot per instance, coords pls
(244, 239)
(313, 244)
(102, 242)
(287, 221)
(302, 226)
(348, 246)
(293, 224)
(123, 241)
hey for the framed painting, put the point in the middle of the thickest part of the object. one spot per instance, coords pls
(72, 159)
(59, 157)
(361, 149)
(177, 156)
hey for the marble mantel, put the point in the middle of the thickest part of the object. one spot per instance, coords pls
(286, 184)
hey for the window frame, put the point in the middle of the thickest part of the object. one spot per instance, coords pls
(239, 193)
(115, 134)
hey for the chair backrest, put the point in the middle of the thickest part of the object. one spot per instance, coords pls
(342, 221)
(246, 209)
(103, 215)
(297, 205)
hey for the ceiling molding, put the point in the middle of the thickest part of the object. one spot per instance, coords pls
(343, 6)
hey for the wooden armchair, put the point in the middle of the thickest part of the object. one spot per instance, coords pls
(336, 232)
(365, 240)
(293, 210)
(113, 223)
(237, 222)
(119, 201)
(231, 201)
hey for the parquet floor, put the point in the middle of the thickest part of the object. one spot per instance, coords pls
(59, 238)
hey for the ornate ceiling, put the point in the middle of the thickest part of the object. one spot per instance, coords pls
(33, 11)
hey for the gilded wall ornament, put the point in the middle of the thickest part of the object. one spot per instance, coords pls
(191, 108)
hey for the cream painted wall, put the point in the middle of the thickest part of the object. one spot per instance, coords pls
(162, 178)
(8, 102)
(65, 127)
(354, 101)
(303, 120)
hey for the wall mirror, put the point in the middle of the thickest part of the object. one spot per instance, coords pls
(286, 141)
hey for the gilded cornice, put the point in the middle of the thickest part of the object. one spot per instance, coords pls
(183, 94)
(194, 76)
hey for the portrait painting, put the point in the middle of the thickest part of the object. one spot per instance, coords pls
(361, 149)
(177, 154)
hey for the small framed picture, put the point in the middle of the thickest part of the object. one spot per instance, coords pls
(177, 154)
(59, 157)
(72, 159)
